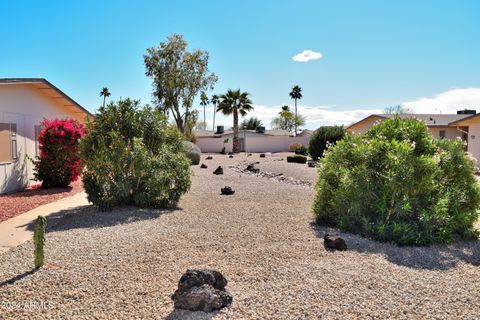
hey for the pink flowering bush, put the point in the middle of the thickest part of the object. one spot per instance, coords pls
(59, 162)
(398, 183)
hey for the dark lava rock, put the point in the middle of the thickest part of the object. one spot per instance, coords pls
(251, 168)
(203, 166)
(202, 290)
(249, 155)
(230, 156)
(333, 242)
(219, 170)
(227, 191)
(209, 158)
(262, 155)
(312, 163)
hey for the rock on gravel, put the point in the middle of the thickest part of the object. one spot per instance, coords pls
(334, 242)
(202, 290)
(218, 171)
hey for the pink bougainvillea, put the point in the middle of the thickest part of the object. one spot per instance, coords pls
(59, 163)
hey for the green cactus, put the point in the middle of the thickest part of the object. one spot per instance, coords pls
(39, 241)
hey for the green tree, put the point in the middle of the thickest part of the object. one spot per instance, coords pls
(178, 76)
(236, 102)
(251, 123)
(287, 120)
(204, 102)
(215, 101)
(104, 93)
(296, 94)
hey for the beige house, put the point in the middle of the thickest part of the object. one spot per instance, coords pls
(24, 103)
(465, 125)
(259, 140)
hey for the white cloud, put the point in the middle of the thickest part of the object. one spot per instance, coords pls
(307, 55)
(316, 116)
(447, 102)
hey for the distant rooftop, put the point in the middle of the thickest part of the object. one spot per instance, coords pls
(431, 120)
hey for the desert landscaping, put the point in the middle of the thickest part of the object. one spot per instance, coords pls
(126, 263)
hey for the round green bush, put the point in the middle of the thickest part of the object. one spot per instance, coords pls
(134, 157)
(398, 183)
(301, 150)
(193, 152)
(322, 138)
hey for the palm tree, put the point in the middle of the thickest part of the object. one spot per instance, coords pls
(296, 94)
(203, 102)
(235, 102)
(104, 93)
(215, 100)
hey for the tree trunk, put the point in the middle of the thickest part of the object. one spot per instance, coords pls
(104, 97)
(235, 131)
(204, 119)
(295, 120)
(180, 125)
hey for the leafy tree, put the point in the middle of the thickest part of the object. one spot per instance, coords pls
(296, 94)
(236, 102)
(251, 124)
(134, 158)
(322, 138)
(287, 120)
(104, 93)
(215, 100)
(398, 109)
(178, 76)
(204, 102)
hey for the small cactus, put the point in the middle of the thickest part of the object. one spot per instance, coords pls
(39, 241)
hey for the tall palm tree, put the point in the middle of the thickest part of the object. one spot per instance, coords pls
(296, 94)
(235, 102)
(214, 100)
(104, 93)
(203, 102)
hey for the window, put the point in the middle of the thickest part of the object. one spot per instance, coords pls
(8, 142)
(442, 134)
(38, 128)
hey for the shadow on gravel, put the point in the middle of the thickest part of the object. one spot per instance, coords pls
(17, 277)
(435, 257)
(190, 315)
(88, 216)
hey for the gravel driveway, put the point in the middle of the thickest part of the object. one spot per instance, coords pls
(125, 264)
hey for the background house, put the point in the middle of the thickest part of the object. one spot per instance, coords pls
(24, 103)
(259, 140)
(465, 125)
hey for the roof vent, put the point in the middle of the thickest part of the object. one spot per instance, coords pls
(467, 111)
(260, 129)
(220, 129)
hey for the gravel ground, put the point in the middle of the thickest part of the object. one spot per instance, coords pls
(12, 205)
(125, 264)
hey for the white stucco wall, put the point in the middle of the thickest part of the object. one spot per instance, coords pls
(26, 108)
(254, 142)
(474, 140)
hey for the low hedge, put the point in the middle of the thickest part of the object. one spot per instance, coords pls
(297, 159)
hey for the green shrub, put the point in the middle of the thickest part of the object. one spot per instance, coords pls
(294, 145)
(297, 159)
(301, 150)
(322, 138)
(398, 183)
(193, 152)
(134, 157)
(39, 241)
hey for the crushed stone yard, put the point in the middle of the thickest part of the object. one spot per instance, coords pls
(125, 264)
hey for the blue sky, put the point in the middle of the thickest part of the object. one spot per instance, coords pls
(424, 54)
